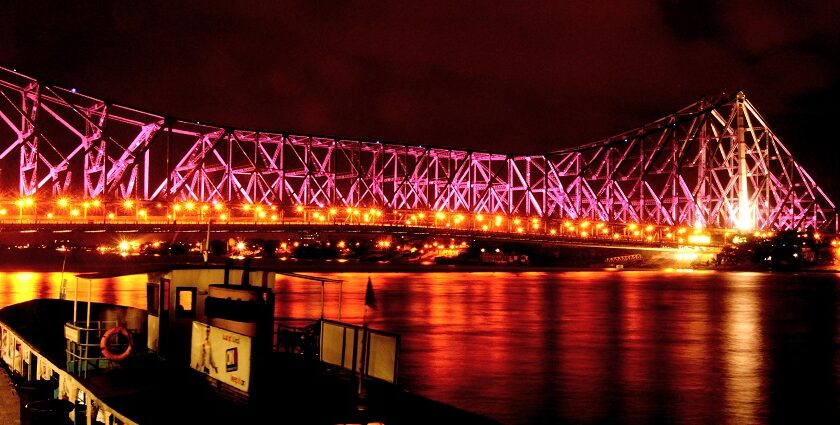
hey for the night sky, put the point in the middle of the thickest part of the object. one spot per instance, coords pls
(502, 76)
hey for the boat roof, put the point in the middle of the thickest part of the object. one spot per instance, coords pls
(157, 268)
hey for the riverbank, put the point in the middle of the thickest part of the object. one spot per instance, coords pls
(80, 261)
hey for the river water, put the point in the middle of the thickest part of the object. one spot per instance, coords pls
(585, 347)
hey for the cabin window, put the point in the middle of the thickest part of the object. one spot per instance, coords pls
(152, 298)
(54, 378)
(33, 367)
(185, 302)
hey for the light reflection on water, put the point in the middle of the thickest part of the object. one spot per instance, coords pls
(584, 347)
(16, 287)
(614, 347)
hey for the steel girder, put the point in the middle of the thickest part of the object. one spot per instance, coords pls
(715, 163)
(709, 164)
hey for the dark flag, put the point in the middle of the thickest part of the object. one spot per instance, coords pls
(370, 299)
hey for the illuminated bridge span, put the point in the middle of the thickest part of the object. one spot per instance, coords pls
(713, 164)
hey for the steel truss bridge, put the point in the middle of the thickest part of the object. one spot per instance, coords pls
(715, 164)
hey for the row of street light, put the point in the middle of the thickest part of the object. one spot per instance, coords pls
(129, 210)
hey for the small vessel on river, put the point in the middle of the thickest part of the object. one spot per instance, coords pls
(207, 349)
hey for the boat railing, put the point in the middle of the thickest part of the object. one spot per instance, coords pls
(296, 335)
(82, 346)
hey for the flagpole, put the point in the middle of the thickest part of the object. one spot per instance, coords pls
(370, 301)
(360, 392)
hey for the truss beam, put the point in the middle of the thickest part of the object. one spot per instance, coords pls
(715, 163)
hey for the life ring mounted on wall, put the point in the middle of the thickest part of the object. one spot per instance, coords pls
(106, 337)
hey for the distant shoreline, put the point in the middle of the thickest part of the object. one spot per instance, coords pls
(94, 262)
(81, 262)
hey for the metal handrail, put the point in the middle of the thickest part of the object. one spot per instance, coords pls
(83, 350)
(295, 339)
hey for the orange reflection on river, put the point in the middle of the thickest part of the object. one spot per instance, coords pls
(743, 359)
(16, 287)
(631, 347)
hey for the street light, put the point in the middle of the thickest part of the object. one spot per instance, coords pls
(439, 216)
(175, 209)
(220, 210)
(95, 203)
(189, 206)
(206, 250)
(458, 219)
(23, 203)
(20, 203)
(128, 204)
(62, 203)
(300, 210)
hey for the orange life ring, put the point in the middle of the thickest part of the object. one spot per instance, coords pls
(103, 344)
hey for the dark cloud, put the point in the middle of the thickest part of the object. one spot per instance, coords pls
(517, 76)
(693, 20)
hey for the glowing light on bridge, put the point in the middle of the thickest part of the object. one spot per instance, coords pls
(745, 222)
(699, 239)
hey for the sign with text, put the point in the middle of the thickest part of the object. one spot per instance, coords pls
(71, 332)
(221, 354)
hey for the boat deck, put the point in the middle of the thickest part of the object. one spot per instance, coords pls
(296, 390)
(292, 388)
(9, 401)
(301, 391)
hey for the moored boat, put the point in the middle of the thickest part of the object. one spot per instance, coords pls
(207, 349)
